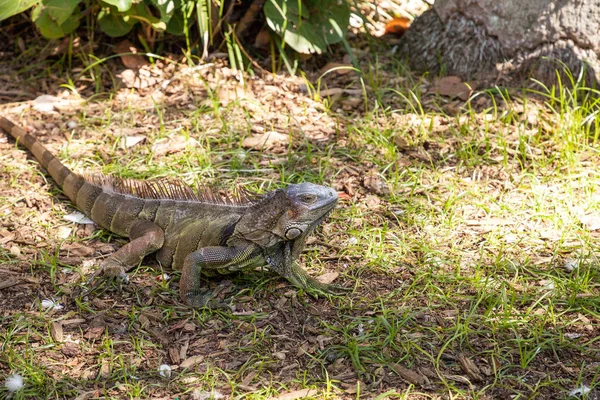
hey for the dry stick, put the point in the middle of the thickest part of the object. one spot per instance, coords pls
(256, 65)
(249, 17)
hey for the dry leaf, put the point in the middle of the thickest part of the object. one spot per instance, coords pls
(77, 249)
(469, 368)
(191, 361)
(130, 141)
(338, 68)
(128, 76)
(132, 61)
(172, 145)
(70, 349)
(452, 86)
(96, 328)
(266, 140)
(263, 39)
(78, 218)
(297, 394)
(591, 222)
(56, 331)
(376, 184)
(410, 376)
(328, 277)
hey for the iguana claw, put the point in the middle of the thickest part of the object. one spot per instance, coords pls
(204, 298)
(109, 269)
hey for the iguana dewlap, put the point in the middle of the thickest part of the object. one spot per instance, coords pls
(199, 233)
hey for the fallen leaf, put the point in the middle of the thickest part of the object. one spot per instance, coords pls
(63, 232)
(410, 376)
(263, 39)
(96, 328)
(376, 184)
(469, 367)
(401, 142)
(70, 349)
(45, 103)
(591, 222)
(132, 61)
(297, 394)
(48, 104)
(56, 331)
(130, 141)
(191, 361)
(77, 249)
(265, 140)
(452, 86)
(78, 218)
(328, 277)
(338, 68)
(172, 145)
(128, 76)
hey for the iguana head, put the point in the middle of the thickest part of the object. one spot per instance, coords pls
(309, 206)
(285, 215)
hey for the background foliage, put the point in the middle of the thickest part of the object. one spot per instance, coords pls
(306, 26)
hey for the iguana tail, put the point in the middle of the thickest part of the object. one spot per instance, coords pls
(62, 175)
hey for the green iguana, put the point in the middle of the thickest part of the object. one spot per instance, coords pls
(197, 232)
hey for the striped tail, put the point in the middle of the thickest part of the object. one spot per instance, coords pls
(66, 179)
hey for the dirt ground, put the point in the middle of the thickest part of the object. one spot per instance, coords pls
(202, 124)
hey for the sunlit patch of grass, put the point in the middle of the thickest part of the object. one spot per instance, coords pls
(465, 258)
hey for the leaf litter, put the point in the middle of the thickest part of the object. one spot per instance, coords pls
(296, 330)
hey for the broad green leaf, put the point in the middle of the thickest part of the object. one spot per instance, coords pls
(166, 8)
(176, 25)
(122, 5)
(308, 26)
(57, 11)
(112, 23)
(48, 24)
(8, 8)
(140, 12)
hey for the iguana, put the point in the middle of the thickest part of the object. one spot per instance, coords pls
(198, 232)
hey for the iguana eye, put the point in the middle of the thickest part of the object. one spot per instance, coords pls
(308, 198)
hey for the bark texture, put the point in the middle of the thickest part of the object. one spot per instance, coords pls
(471, 38)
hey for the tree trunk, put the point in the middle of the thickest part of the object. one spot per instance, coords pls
(483, 39)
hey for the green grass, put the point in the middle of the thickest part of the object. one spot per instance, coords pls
(464, 259)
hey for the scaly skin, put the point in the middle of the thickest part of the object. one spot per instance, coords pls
(197, 233)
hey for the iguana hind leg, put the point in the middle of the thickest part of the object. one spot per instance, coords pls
(146, 237)
(212, 257)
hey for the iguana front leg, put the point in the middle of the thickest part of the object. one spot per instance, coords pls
(213, 257)
(146, 237)
(282, 260)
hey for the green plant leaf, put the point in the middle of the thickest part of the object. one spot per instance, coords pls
(112, 23)
(8, 8)
(166, 8)
(140, 12)
(121, 5)
(56, 18)
(176, 25)
(308, 26)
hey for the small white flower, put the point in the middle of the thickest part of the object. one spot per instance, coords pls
(164, 370)
(14, 382)
(580, 391)
(46, 303)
